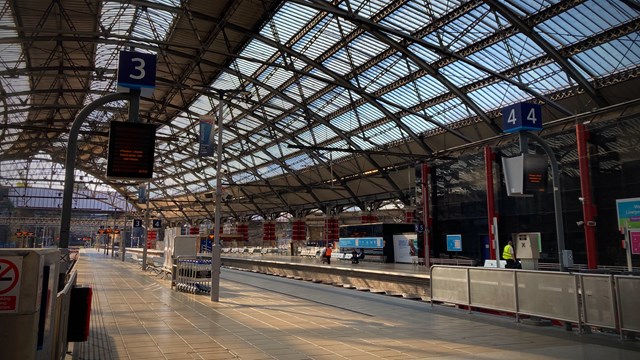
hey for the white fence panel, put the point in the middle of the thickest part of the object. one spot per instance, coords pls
(547, 294)
(628, 296)
(450, 284)
(493, 289)
(598, 300)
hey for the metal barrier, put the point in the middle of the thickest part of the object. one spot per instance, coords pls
(63, 298)
(192, 274)
(628, 293)
(591, 299)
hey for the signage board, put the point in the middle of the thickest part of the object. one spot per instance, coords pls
(156, 223)
(137, 223)
(365, 243)
(10, 270)
(131, 150)
(207, 135)
(628, 213)
(136, 70)
(454, 242)
(634, 237)
(522, 116)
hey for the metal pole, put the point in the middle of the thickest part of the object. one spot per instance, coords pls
(497, 244)
(588, 209)
(215, 247)
(425, 212)
(491, 213)
(557, 198)
(70, 165)
(146, 231)
(627, 246)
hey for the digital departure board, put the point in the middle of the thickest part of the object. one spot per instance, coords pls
(131, 150)
(535, 168)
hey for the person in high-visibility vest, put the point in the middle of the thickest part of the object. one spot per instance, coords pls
(509, 255)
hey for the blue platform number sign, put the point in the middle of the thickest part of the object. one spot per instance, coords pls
(137, 71)
(454, 242)
(137, 223)
(522, 116)
(157, 223)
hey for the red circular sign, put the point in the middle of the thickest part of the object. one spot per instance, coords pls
(6, 273)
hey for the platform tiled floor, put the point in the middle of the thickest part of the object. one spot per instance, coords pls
(137, 316)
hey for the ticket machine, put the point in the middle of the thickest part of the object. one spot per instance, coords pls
(527, 249)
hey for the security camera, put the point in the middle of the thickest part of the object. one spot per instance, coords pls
(580, 223)
(581, 199)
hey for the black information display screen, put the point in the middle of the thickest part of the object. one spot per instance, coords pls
(131, 150)
(535, 170)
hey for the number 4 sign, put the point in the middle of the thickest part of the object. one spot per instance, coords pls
(137, 71)
(522, 116)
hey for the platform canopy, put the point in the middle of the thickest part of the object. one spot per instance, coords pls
(329, 104)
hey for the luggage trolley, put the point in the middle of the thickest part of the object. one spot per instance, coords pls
(192, 274)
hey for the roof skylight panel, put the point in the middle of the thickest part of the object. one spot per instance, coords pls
(257, 158)
(258, 50)
(246, 67)
(404, 19)
(417, 123)
(339, 63)
(405, 96)
(460, 73)
(429, 87)
(498, 95)
(442, 112)
(424, 53)
(365, 8)
(299, 162)
(345, 122)
(368, 112)
(318, 39)
(385, 133)
(288, 21)
(547, 79)
(620, 54)
(365, 47)
(310, 85)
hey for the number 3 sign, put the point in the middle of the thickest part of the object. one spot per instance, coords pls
(137, 71)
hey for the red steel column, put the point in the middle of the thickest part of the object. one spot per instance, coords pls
(588, 209)
(425, 213)
(489, 156)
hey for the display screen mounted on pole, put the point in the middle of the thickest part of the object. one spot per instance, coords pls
(131, 150)
(522, 116)
(137, 70)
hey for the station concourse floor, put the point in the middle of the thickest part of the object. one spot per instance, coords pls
(136, 315)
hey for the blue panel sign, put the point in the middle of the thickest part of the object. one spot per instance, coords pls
(137, 223)
(522, 116)
(454, 242)
(365, 243)
(157, 223)
(137, 71)
(205, 245)
(207, 135)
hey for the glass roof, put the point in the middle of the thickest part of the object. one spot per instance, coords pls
(358, 75)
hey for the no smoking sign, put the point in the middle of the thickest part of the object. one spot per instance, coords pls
(10, 268)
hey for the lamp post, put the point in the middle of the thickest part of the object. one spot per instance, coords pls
(215, 247)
